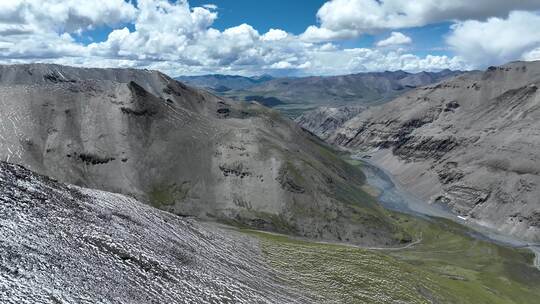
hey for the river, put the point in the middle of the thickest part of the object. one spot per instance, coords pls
(392, 196)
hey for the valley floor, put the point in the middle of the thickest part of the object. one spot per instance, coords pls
(446, 263)
(446, 266)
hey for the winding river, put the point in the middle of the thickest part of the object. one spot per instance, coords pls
(392, 196)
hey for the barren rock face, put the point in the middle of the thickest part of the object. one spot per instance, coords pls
(324, 121)
(65, 244)
(186, 151)
(470, 143)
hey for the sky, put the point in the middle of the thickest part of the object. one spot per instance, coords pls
(278, 37)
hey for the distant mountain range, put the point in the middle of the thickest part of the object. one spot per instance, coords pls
(296, 95)
(224, 83)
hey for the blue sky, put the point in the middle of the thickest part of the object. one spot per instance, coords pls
(291, 16)
(295, 17)
(248, 37)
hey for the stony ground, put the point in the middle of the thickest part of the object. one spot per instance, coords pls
(65, 244)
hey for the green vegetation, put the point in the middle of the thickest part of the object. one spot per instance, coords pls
(247, 219)
(354, 162)
(340, 274)
(167, 195)
(290, 169)
(255, 110)
(446, 266)
(475, 271)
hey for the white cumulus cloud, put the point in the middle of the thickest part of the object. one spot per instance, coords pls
(497, 40)
(396, 38)
(274, 34)
(68, 15)
(179, 39)
(210, 6)
(532, 55)
(341, 19)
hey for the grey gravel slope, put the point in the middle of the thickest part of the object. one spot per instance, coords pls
(470, 143)
(183, 150)
(65, 244)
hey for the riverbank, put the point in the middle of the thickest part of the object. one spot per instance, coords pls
(394, 197)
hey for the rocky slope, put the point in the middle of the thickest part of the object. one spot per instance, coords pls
(469, 143)
(365, 88)
(143, 134)
(65, 244)
(324, 121)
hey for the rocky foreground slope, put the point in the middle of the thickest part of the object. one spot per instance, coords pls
(469, 143)
(65, 244)
(143, 134)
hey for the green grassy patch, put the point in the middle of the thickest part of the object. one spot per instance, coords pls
(168, 195)
(339, 274)
(478, 271)
(447, 266)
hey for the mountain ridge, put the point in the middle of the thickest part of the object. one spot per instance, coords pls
(295, 95)
(466, 143)
(184, 150)
(222, 83)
